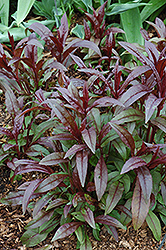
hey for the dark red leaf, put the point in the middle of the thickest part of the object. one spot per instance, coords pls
(145, 181)
(74, 149)
(163, 191)
(82, 165)
(151, 104)
(53, 159)
(100, 178)
(108, 220)
(89, 137)
(66, 230)
(125, 136)
(88, 216)
(50, 182)
(133, 94)
(28, 193)
(63, 30)
(132, 163)
(140, 207)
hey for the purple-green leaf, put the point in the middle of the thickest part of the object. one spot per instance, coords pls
(66, 230)
(51, 182)
(145, 180)
(76, 103)
(125, 136)
(56, 203)
(100, 178)
(65, 117)
(88, 216)
(41, 128)
(30, 168)
(106, 102)
(41, 203)
(89, 137)
(11, 103)
(134, 74)
(112, 230)
(53, 159)
(132, 163)
(74, 149)
(163, 191)
(133, 94)
(160, 123)
(108, 220)
(151, 104)
(114, 195)
(140, 207)
(40, 219)
(128, 115)
(13, 198)
(82, 165)
(29, 192)
(33, 237)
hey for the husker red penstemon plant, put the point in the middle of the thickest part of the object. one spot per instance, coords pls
(104, 159)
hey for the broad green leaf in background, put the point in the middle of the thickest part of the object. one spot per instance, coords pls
(23, 8)
(4, 11)
(151, 8)
(154, 224)
(131, 23)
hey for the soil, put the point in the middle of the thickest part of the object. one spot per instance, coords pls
(12, 221)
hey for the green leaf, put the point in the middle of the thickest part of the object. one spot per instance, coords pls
(78, 30)
(32, 237)
(154, 224)
(80, 235)
(4, 11)
(151, 8)
(122, 7)
(86, 245)
(41, 128)
(131, 23)
(124, 217)
(120, 147)
(23, 8)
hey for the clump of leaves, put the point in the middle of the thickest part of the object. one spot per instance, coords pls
(105, 160)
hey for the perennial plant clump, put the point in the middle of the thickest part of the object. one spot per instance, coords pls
(98, 142)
